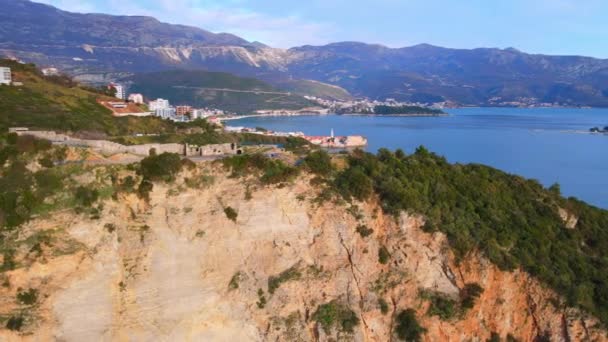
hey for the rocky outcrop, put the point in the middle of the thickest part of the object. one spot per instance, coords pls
(177, 268)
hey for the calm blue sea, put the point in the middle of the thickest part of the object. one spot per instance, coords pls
(535, 143)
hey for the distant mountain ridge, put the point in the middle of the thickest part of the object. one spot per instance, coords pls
(98, 47)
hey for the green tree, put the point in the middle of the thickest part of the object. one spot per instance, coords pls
(407, 327)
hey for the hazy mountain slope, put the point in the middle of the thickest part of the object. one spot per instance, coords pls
(90, 45)
(468, 76)
(215, 89)
(99, 42)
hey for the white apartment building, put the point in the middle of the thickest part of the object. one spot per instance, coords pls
(165, 113)
(136, 98)
(120, 90)
(5, 75)
(50, 72)
(158, 104)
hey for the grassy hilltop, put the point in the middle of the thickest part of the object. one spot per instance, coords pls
(215, 89)
(58, 103)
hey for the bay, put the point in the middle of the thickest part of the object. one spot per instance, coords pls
(547, 144)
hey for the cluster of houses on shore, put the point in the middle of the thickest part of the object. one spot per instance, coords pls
(159, 107)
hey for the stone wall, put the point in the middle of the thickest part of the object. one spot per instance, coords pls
(109, 147)
(211, 150)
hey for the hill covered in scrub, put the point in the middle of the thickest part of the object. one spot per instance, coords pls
(216, 90)
(357, 247)
(58, 103)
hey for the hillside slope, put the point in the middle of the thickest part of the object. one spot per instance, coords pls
(57, 103)
(287, 267)
(215, 89)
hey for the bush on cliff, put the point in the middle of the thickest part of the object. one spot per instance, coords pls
(408, 328)
(272, 171)
(319, 162)
(162, 167)
(337, 314)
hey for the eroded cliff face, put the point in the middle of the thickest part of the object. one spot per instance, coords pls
(177, 268)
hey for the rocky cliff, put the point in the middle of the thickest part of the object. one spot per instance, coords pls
(177, 268)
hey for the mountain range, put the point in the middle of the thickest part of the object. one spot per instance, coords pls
(100, 47)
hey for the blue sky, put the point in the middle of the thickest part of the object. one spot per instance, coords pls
(536, 26)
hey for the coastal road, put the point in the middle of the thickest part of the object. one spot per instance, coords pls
(235, 90)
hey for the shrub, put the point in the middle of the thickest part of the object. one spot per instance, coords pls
(319, 162)
(85, 196)
(15, 323)
(494, 337)
(334, 313)
(383, 306)
(273, 171)
(110, 227)
(231, 214)
(364, 230)
(144, 189)
(443, 307)
(46, 161)
(407, 327)
(353, 182)
(469, 294)
(27, 297)
(383, 255)
(275, 281)
(235, 280)
(261, 299)
(161, 167)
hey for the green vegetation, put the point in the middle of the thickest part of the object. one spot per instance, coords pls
(162, 167)
(15, 323)
(364, 230)
(261, 303)
(23, 191)
(336, 314)
(231, 214)
(494, 337)
(46, 103)
(442, 306)
(469, 294)
(272, 171)
(28, 297)
(215, 89)
(406, 110)
(407, 327)
(235, 280)
(274, 282)
(86, 196)
(319, 162)
(383, 255)
(383, 305)
(513, 221)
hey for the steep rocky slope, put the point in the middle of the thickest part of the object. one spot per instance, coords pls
(177, 268)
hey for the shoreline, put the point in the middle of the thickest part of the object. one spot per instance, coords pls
(399, 115)
(231, 118)
(311, 114)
